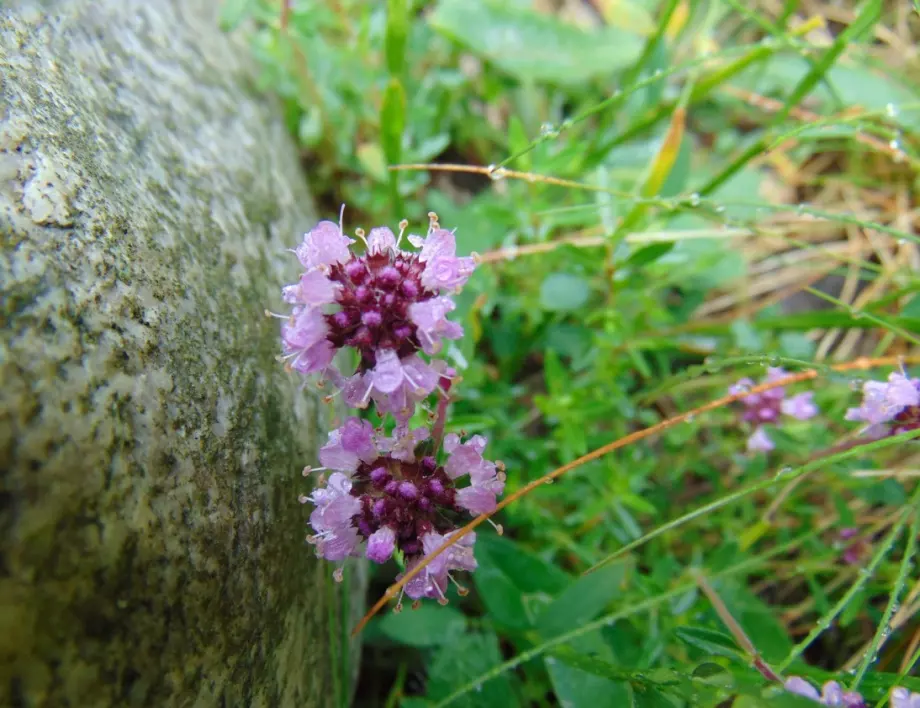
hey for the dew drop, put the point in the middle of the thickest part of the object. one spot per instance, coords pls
(548, 130)
(695, 199)
(891, 110)
(690, 418)
(497, 173)
(784, 472)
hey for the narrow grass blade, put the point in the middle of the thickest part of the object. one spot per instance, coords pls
(863, 577)
(881, 633)
(782, 476)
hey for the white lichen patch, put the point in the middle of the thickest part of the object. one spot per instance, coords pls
(48, 193)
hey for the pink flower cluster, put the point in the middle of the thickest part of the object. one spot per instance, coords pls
(386, 303)
(765, 408)
(889, 408)
(833, 695)
(404, 493)
(386, 494)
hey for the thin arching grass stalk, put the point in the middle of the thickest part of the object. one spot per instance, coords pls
(782, 475)
(867, 18)
(880, 321)
(861, 579)
(689, 201)
(607, 620)
(883, 630)
(394, 589)
(621, 95)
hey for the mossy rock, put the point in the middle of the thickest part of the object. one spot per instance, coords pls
(152, 548)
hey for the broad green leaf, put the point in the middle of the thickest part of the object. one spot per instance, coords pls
(397, 31)
(429, 625)
(649, 254)
(582, 601)
(502, 598)
(459, 662)
(575, 687)
(563, 292)
(710, 641)
(528, 572)
(393, 121)
(535, 47)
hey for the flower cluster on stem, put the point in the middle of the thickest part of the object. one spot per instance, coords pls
(889, 408)
(762, 409)
(405, 492)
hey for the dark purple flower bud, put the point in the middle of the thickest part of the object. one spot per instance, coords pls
(356, 271)
(410, 288)
(380, 506)
(379, 475)
(424, 503)
(403, 332)
(429, 464)
(435, 487)
(341, 319)
(372, 318)
(391, 487)
(389, 277)
(364, 294)
(407, 490)
(364, 527)
(389, 300)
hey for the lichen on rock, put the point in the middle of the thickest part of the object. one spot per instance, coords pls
(152, 548)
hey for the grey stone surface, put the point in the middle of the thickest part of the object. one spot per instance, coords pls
(150, 446)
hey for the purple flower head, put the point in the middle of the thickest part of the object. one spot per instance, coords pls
(391, 493)
(768, 406)
(433, 580)
(304, 338)
(831, 694)
(760, 441)
(889, 408)
(902, 698)
(394, 384)
(381, 544)
(336, 537)
(386, 303)
(442, 268)
(486, 482)
(430, 319)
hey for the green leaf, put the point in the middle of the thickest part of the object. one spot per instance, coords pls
(430, 625)
(528, 572)
(576, 687)
(501, 597)
(649, 254)
(532, 46)
(234, 12)
(710, 641)
(397, 31)
(582, 600)
(563, 292)
(393, 121)
(463, 660)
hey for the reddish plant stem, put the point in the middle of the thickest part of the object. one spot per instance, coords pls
(393, 590)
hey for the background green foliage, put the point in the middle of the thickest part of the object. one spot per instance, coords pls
(728, 158)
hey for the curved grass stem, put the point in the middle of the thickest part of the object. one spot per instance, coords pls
(861, 363)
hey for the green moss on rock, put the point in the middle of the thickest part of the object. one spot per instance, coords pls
(150, 446)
